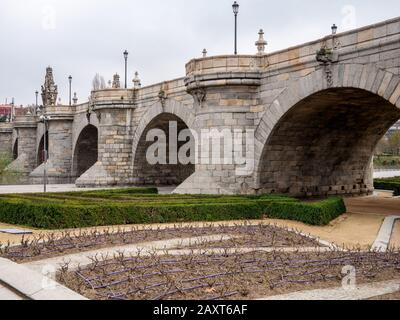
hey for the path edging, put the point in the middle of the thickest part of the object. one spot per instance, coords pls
(382, 242)
(32, 285)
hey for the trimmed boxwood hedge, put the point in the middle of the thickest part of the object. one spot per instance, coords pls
(388, 184)
(126, 206)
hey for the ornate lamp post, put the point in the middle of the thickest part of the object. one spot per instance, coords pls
(45, 120)
(12, 110)
(126, 68)
(235, 8)
(36, 94)
(334, 29)
(70, 86)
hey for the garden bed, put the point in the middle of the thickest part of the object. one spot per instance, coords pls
(214, 277)
(244, 235)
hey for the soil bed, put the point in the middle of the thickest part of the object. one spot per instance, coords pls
(50, 245)
(214, 277)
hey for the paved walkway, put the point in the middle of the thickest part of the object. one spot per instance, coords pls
(30, 285)
(37, 188)
(382, 242)
(361, 292)
(378, 174)
(8, 294)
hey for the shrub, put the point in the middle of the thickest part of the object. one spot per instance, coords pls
(388, 184)
(316, 213)
(134, 206)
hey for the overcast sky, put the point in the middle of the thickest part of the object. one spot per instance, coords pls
(85, 37)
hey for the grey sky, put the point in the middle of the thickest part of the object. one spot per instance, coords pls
(82, 37)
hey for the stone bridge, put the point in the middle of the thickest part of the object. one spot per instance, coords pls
(316, 111)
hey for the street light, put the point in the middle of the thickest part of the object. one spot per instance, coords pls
(334, 29)
(235, 8)
(126, 68)
(70, 85)
(36, 94)
(45, 119)
(12, 109)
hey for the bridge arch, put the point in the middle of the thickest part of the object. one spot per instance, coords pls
(40, 151)
(160, 117)
(86, 150)
(318, 139)
(15, 149)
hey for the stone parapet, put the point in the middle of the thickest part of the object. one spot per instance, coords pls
(6, 132)
(226, 64)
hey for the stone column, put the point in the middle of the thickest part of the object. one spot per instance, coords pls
(113, 108)
(225, 90)
(25, 131)
(59, 163)
(6, 132)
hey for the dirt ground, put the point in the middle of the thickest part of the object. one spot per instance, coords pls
(359, 226)
(241, 236)
(213, 277)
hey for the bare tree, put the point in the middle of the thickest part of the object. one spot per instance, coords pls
(98, 82)
(394, 143)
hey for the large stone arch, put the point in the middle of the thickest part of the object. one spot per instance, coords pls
(158, 117)
(85, 152)
(296, 151)
(41, 148)
(15, 149)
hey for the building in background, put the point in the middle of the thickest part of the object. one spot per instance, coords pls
(7, 109)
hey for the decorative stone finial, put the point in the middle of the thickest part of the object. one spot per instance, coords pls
(116, 83)
(136, 81)
(75, 99)
(49, 89)
(204, 53)
(261, 43)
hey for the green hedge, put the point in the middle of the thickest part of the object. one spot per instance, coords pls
(113, 207)
(316, 213)
(388, 184)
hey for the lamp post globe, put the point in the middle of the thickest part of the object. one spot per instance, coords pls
(334, 29)
(235, 7)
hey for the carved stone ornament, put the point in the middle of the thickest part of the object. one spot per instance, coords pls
(49, 89)
(199, 95)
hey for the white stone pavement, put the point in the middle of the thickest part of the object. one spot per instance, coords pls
(382, 242)
(379, 174)
(37, 188)
(360, 292)
(8, 294)
(30, 285)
